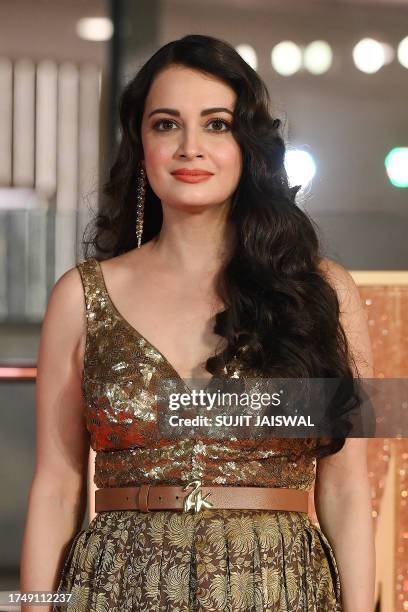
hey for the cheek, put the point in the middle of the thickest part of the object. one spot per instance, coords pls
(228, 158)
(228, 155)
(157, 153)
(156, 150)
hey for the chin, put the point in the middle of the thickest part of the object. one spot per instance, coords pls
(190, 205)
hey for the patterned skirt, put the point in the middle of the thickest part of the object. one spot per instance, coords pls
(212, 561)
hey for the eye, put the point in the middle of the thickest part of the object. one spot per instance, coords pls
(220, 121)
(160, 122)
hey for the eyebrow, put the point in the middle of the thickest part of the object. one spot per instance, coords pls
(176, 113)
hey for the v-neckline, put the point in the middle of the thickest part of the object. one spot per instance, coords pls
(137, 333)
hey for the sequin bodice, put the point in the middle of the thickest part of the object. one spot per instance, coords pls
(120, 376)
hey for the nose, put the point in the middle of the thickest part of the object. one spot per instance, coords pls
(190, 143)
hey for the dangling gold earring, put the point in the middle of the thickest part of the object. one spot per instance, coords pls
(141, 192)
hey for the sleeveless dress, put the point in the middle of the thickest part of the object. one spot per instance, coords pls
(211, 561)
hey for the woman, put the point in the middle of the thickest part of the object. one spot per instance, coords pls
(199, 226)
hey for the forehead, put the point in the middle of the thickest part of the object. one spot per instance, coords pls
(181, 87)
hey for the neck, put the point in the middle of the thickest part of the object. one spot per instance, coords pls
(193, 241)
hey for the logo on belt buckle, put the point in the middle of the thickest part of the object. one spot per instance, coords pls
(194, 499)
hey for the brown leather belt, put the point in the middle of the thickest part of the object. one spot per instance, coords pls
(148, 497)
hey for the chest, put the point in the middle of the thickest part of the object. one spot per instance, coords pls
(176, 320)
(186, 342)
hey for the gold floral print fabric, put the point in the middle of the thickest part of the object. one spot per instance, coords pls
(215, 560)
(212, 561)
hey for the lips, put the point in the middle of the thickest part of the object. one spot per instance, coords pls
(192, 172)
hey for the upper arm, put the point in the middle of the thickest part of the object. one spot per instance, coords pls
(352, 317)
(62, 443)
(347, 469)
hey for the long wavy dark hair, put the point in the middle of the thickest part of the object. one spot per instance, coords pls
(281, 314)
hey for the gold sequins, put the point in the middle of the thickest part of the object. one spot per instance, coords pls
(121, 372)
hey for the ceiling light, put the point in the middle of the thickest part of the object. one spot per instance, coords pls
(369, 55)
(286, 58)
(318, 57)
(97, 29)
(248, 54)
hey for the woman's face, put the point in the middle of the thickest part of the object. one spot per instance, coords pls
(186, 124)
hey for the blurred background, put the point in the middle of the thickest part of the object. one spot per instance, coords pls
(337, 73)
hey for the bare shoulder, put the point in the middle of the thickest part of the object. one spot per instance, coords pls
(65, 314)
(67, 293)
(352, 315)
(130, 257)
(122, 268)
(340, 279)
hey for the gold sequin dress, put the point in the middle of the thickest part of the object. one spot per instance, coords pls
(211, 561)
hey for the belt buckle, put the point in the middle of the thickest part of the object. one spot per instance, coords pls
(194, 499)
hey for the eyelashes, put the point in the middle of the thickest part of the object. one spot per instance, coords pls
(167, 121)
